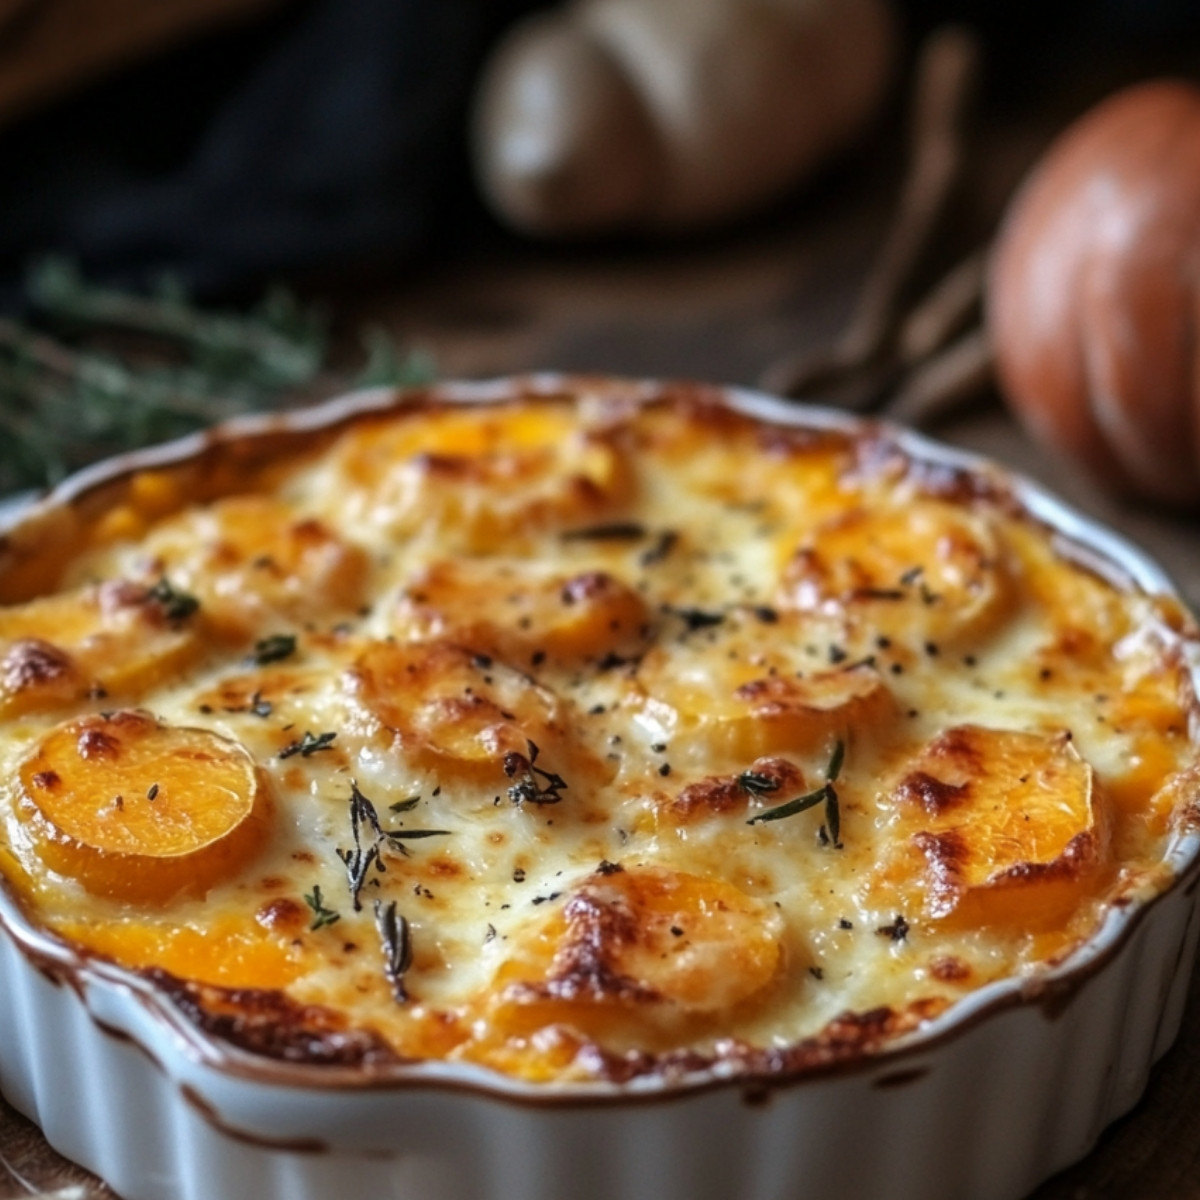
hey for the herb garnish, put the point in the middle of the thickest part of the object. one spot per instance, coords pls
(322, 916)
(365, 827)
(176, 605)
(310, 743)
(661, 548)
(826, 794)
(532, 783)
(617, 531)
(397, 946)
(897, 931)
(106, 370)
(274, 648)
(757, 784)
(695, 618)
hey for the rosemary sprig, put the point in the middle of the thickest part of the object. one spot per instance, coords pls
(105, 370)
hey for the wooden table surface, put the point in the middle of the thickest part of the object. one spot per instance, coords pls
(722, 309)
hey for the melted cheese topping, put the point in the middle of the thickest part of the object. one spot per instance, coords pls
(576, 737)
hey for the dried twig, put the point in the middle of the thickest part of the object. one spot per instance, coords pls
(945, 310)
(862, 362)
(944, 382)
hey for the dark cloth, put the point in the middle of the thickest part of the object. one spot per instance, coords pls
(330, 133)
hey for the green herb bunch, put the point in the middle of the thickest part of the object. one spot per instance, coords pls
(105, 370)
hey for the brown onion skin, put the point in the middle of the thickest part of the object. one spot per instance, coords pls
(1093, 297)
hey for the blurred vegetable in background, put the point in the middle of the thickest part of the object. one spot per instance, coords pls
(1094, 293)
(605, 115)
(230, 141)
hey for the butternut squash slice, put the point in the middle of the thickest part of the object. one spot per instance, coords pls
(252, 561)
(648, 948)
(468, 716)
(138, 810)
(477, 481)
(115, 640)
(508, 610)
(715, 708)
(931, 569)
(1009, 825)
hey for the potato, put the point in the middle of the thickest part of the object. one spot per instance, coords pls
(672, 114)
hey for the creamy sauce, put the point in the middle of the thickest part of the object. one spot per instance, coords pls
(554, 665)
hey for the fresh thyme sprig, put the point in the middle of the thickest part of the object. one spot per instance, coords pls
(826, 794)
(107, 370)
(322, 916)
(370, 838)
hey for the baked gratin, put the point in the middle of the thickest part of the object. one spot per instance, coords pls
(588, 733)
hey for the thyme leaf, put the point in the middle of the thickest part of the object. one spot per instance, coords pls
(836, 759)
(176, 605)
(309, 744)
(397, 946)
(896, 931)
(696, 618)
(533, 784)
(792, 807)
(322, 916)
(756, 783)
(662, 547)
(833, 815)
(628, 531)
(274, 648)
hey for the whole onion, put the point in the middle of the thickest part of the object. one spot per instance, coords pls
(1094, 293)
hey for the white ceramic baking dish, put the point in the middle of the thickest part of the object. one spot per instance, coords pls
(986, 1100)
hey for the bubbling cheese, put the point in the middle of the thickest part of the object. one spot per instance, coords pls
(585, 734)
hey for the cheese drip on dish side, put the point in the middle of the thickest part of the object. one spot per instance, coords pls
(581, 738)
